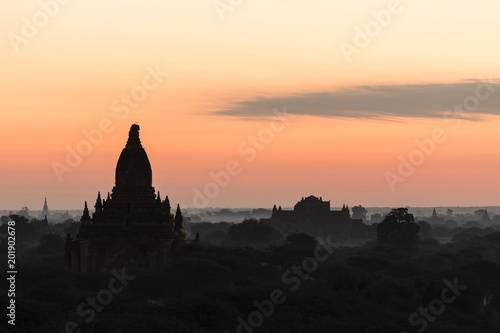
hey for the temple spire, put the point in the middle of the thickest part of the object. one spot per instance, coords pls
(178, 218)
(486, 218)
(45, 210)
(45, 227)
(98, 203)
(133, 137)
(133, 169)
(167, 205)
(86, 215)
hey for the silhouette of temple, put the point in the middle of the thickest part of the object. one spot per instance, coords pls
(43, 227)
(485, 219)
(435, 219)
(312, 215)
(45, 210)
(132, 227)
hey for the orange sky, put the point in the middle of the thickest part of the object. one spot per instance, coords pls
(72, 73)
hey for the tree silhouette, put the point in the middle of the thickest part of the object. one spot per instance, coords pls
(425, 229)
(251, 231)
(301, 239)
(359, 212)
(399, 229)
(51, 244)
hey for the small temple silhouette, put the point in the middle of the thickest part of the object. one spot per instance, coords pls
(133, 226)
(435, 219)
(45, 210)
(44, 227)
(485, 219)
(312, 215)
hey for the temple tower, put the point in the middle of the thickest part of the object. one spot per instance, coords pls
(132, 226)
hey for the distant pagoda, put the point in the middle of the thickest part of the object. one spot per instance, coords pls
(133, 226)
(45, 210)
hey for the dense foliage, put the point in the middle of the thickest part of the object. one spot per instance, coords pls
(399, 229)
(375, 287)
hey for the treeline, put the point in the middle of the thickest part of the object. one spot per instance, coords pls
(396, 283)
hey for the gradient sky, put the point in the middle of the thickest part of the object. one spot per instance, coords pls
(349, 123)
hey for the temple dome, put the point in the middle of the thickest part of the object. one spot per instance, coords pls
(133, 168)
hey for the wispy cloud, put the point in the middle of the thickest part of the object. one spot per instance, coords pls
(373, 102)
